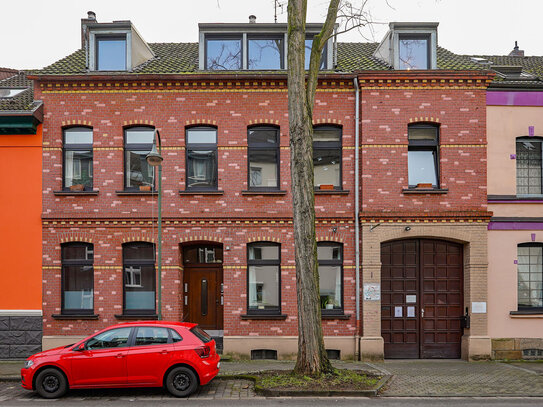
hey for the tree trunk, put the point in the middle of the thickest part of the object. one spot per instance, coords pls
(312, 357)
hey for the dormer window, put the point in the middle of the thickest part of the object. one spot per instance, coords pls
(265, 53)
(223, 53)
(414, 51)
(308, 46)
(111, 53)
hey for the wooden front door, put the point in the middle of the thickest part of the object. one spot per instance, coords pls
(421, 298)
(203, 287)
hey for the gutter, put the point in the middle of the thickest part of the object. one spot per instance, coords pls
(356, 211)
(36, 112)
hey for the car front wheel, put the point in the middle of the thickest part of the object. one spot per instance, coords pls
(181, 382)
(51, 384)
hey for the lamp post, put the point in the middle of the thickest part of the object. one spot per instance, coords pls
(154, 159)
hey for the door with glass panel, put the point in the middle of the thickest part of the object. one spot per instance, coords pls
(202, 285)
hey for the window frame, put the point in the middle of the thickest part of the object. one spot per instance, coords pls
(329, 145)
(341, 310)
(78, 262)
(110, 37)
(139, 262)
(215, 37)
(276, 263)
(425, 145)
(532, 139)
(264, 147)
(324, 54)
(76, 147)
(135, 147)
(524, 308)
(260, 37)
(201, 147)
(416, 36)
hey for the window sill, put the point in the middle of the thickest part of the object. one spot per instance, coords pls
(438, 191)
(536, 313)
(136, 192)
(256, 192)
(137, 316)
(336, 316)
(61, 193)
(75, 317)
(202, 192)
(332, 192)
(264, 316)
(515, 198)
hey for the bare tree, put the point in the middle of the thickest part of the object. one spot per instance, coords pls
(302, 85)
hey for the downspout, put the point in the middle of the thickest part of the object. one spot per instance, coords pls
(356, 211)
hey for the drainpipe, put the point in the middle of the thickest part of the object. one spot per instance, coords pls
(356, 211)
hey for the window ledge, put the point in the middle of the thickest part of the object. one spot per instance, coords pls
(332, 192)
(136, 192)
(537, 313)
(202, 192)
(335, 316)
(61, 193)
(425, 190)
(137, 316)
(75, 317)
(264, 316)
(515, 198)
(256, 192)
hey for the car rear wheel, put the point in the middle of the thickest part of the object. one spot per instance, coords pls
(51, 384)
(181, 382)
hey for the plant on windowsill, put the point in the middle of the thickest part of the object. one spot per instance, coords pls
(328, 303)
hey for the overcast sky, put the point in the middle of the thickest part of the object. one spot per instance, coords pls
(35, 33)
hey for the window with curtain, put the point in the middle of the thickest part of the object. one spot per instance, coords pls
(77, 278)
(530, 276)
(327, 157)
(201, 147)
(78, 159)
(263, 278)
(138, 142)
(529, 166)
(330, 260)
(139, 281)
(263, 154)
(422, 156)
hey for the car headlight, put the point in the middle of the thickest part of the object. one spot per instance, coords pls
(28, 363)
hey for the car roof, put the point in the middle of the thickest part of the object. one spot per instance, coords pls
(188, 325)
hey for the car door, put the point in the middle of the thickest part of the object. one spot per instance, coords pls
(102, 360)
(150, 356)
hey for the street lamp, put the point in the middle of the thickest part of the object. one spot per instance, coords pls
(154, 159)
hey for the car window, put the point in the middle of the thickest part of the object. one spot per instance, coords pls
(151, 336)
(201, 334)
(175, 336)
(114, 338)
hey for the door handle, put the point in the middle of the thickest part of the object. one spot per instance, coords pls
(422, 313)
(120, 355)
(164, 352)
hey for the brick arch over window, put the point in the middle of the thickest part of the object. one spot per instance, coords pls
(327, 122)
(337, 237)
(262, 121)
(201, 122)
(138, 237)
(75, 122)
(138, 122)
(67, 237)
(423, 120)
(201, 237)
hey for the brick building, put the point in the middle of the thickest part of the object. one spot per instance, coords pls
(228, 263)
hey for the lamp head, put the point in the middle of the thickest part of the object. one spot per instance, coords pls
(154, 159)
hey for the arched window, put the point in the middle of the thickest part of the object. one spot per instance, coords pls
(529, 166)
(264, 278)
(530, 276)
(139, 281)
(138, 142)
(77, 157)
(263, 157)
(201, 147)
(330, 259)
(327, 157)
(422, 156)
(77, 279)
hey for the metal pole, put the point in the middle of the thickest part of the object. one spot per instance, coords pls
(357, 220)
(159, 239)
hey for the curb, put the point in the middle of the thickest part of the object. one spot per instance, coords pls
(10, 378)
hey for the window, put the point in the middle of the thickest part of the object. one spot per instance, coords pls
(202, 254)
(10, 92)
(330, 259)
(77, 159)
(414, 51)
(151, 336)
(223, 53)
(263, 278)
(265, 53)
(139, 278)
(327, 157)
(422, 156)
(138, 142)
(263, 158)
(308, 45)
(530, 276)
(201, 158)
(77, 278)
(111, 53)
(529, 166)
(114, 338)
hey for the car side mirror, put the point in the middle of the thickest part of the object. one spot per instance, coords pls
(80, 347)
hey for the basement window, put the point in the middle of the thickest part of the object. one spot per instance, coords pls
(259, 354)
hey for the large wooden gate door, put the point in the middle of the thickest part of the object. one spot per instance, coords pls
(421, 298)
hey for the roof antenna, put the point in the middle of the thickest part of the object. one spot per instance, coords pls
(277, 3)
(516, 46)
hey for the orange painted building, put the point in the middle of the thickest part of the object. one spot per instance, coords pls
(20, 218)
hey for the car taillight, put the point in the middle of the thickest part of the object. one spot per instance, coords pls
(203, 351)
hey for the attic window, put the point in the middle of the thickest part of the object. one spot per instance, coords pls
(111, 53)
(414, 51)
(223, 53)
(9, 92)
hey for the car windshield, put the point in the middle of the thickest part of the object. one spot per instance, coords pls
(201, 334)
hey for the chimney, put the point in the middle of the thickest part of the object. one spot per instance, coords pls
(516, 52)
(91, 18)
(252, 19)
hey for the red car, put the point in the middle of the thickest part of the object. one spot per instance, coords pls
(177, 355)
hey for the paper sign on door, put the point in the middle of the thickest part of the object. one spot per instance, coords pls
(398, 312)
(410, 312)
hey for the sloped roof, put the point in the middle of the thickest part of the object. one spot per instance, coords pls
(532, 65)
(22, 101)
(182, 58)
